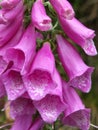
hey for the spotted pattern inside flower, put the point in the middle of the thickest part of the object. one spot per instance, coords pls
(21, 106)
(38, 84)
(49, 107)
(79, 119)
(83, 82)
(14, 84)
(16, 80)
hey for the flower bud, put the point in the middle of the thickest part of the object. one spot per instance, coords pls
(39, 17)
(63, 8)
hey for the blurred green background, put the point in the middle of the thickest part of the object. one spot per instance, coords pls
(87, 13)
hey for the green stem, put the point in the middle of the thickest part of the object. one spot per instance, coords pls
(56, 24)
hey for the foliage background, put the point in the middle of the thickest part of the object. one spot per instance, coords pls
(87, 13)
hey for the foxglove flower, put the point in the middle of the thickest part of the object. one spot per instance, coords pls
(20, 107)
(39, 17)
(22, 122)
(25, 95)
(51, 106)
(37, 124)
(79, 73)
(10, 15)
(2, 88)
(13, 41)
(75, 114)
(7, 31)
(4, 65)
(63, 8)
(2, 19)
(8, 4)
(39, 81)
(13, 83)
(23, 53)
(80, 34)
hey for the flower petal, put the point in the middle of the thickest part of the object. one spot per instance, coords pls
(23, 53)
(75, 114)
(37, 124)
(49, 108)
(63, 8)
(79, 73)
(22, 122)
(80, 34)
(21, 106)
(2, 88)
(39, 17)
(8, 30)
(40, 81)
(13, 84)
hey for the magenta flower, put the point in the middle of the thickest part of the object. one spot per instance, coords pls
(25, 95)
(13, 84)
(39, 17)
(39, 81)
(13, 41)
(7, 31)
(11, 14)
(2, 19)
(4, 65)
(8, 4)
(79, 73)
(37, 124)
(50, 107)
(80, 34)
(2, 88)
(76, 114)
(20, 107)
(63, 8)
(23, 53)
(22, 123)
(58, 89)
